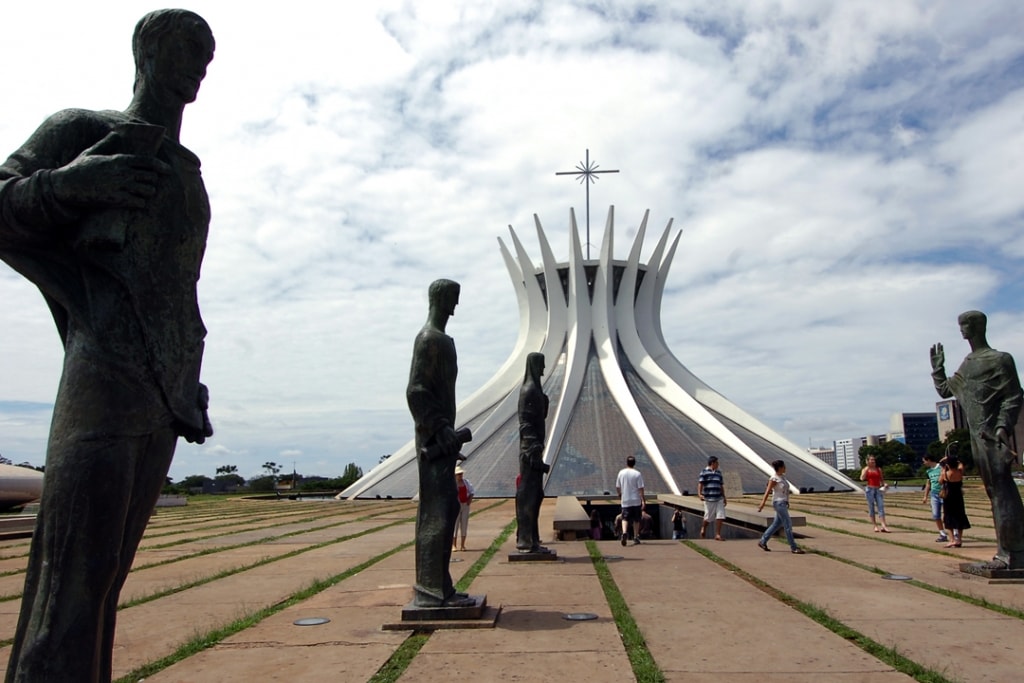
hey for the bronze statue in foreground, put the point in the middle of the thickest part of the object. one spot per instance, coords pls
(107, 214)
(431, 398)
(988, 390)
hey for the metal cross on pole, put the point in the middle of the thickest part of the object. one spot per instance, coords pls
(586, 173)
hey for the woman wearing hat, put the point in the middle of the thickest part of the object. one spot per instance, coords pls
(465, 498)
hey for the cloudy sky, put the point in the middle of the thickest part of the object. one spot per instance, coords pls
(847, 177)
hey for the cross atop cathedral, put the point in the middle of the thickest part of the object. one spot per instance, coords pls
(586, 172)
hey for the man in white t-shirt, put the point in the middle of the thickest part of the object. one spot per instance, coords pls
(630, 487)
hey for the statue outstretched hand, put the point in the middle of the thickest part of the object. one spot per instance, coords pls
(938, 357)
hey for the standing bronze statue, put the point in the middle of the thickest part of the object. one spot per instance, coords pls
(533, 410)
(107, 214)
(431, 398)
(988, 389)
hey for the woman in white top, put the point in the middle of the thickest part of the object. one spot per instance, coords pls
(778, 486)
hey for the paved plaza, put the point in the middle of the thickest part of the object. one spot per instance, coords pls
(232, 576)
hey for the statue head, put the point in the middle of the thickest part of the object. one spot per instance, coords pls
(444, 296)
(172, 48)
(972, 324)
(534, 367)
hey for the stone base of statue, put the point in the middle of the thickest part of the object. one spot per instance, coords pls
(993, 570)
(474, 615)
(540, 554)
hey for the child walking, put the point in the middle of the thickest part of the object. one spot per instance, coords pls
(778, 486)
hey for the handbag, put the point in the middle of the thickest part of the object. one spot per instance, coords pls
(944, 491)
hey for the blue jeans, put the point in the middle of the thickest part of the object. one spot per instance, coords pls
(936, 505)
(876, 499)
(781, 520)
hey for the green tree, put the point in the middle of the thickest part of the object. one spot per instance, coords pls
(272, 468)
(195, 481)
(896, 471)
(958, 443)
(263, 484)
(350, 476)
(888, 453)
(228, 478)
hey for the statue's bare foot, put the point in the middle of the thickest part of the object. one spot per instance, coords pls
(995, 563)
(459, 600)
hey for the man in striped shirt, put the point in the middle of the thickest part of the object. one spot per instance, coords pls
(711, 490)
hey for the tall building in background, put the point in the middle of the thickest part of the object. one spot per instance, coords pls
(847, 456)
(917, 430)
(826, 455)
(615, 390)
(948, 417)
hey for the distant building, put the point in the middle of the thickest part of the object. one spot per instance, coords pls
(826, 455)
(949, 416)
(846, 454)
(917, 430)
(848, 450)
(871, 440)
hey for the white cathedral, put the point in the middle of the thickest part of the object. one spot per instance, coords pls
(615, 390)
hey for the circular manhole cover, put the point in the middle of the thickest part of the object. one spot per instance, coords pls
(580, 616)
(311, 621)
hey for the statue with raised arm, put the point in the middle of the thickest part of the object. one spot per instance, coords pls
(106, 213)
(533, 410)
(988, 389)
(431, 398)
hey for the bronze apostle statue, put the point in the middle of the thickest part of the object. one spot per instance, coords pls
(988, 390)
(533, 410)
(431, 398)
(106, 213)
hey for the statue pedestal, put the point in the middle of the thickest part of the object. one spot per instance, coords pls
(416, 618)
(543, 556)
(997, 574)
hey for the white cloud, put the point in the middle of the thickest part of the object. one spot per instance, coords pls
(843, 175)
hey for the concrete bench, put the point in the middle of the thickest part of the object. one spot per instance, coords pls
(739, 514)
(570, 518)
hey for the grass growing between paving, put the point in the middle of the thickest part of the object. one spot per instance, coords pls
(645, 668)
(211, 638)
(971, 600)
(888, 655)
(401, 658)
(258, 563)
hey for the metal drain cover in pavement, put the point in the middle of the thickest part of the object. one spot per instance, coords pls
(580, 616)
(311, 621)
(897, 577)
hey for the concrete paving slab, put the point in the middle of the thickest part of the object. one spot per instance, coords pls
(895, 614)
(599, 667)
(678, 596)
(663, 582)
(245, 663)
